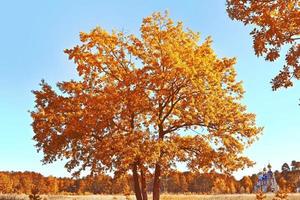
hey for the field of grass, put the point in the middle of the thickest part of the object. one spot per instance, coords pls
(163, 197)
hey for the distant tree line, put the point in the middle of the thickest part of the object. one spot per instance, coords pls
(176, 182)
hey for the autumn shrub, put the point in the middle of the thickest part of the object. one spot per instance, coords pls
(127, 197)
(35, 194)
(281, 195)
(260, 196)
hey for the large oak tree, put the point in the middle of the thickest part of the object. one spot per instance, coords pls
(144, 103)
(276, 25)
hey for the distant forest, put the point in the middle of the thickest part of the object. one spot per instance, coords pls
(176, 182)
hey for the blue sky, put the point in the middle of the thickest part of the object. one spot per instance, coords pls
(34, 34)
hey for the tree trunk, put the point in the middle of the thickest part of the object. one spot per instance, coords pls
(137, 189)
(156, 182)
(143, 183)
(157, 173)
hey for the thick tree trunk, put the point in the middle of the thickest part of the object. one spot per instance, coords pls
(136, 183)
(143, 183)
(157, 173)
(156, 182)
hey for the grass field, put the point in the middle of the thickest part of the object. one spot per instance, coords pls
(163, 197)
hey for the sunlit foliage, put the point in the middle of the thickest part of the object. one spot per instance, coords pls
(276, 27)
(143, 104)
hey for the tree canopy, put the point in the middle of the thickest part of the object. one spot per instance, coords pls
(276, 27)
(142, 104)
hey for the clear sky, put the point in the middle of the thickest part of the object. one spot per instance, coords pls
(34, 34)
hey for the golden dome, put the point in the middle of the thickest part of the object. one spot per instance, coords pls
(269, 166)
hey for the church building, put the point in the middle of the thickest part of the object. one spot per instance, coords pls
(266, 181)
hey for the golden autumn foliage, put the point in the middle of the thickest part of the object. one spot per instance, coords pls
(144, 103)
(281, 195)
(175, 182)
(276, 26)
(260, 196)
